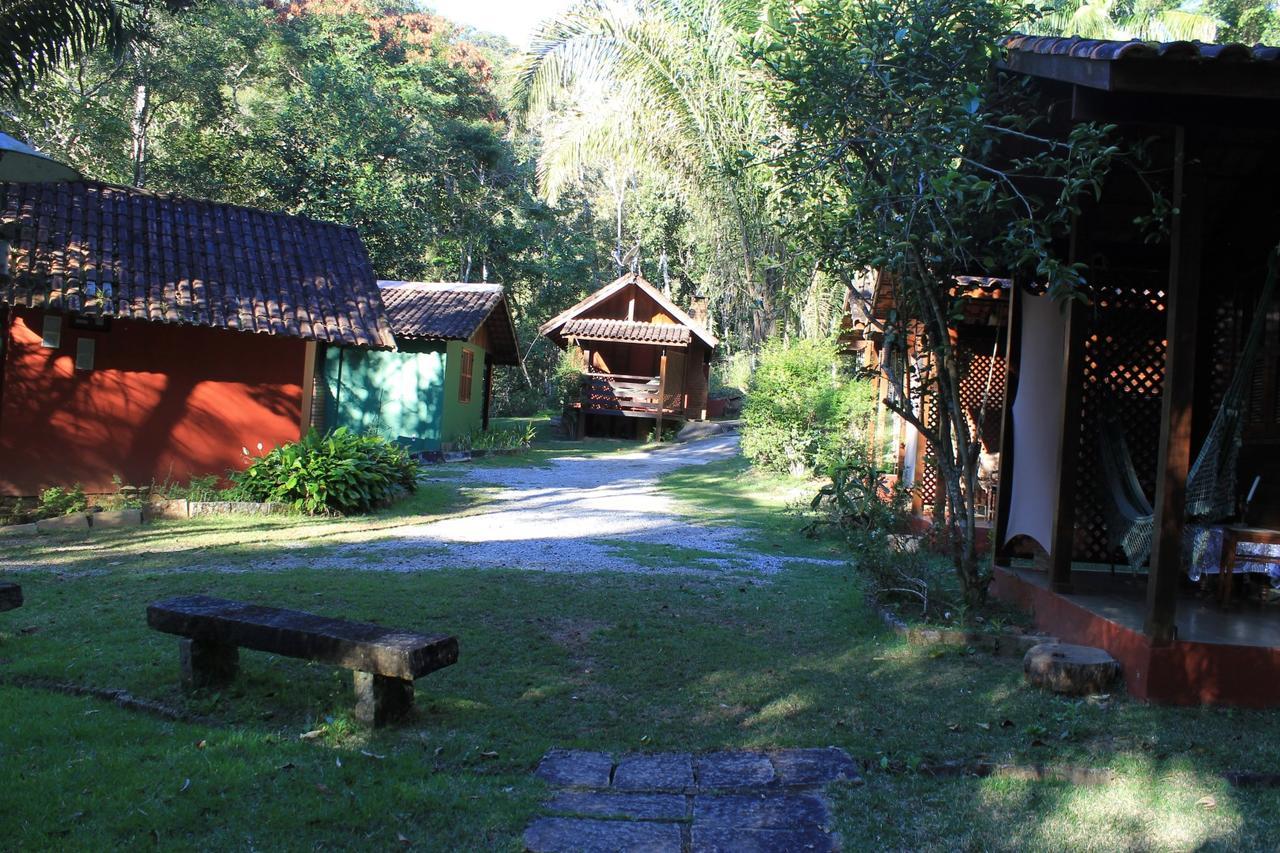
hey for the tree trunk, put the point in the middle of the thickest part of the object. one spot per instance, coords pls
(138, 127)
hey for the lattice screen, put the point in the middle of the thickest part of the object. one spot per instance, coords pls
(1123, 368)
(977, 363)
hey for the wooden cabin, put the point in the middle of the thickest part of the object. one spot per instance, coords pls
(645, 362)
(154, 337)
(903, 455)
(1115, 401)
(433, 392)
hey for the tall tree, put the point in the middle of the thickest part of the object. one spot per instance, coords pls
(1150, 20)
(661, 92)
(896, 157)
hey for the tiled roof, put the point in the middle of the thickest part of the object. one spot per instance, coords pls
(556, 327)
(629, 331)
(451, 312)
(1102, 49)
(98, 249)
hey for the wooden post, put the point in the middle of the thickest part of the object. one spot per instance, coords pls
(1004, 478)
(488, 391)
(917, 482)
(309, 357)
(1062, 546)
(662, 390)
(1178, 394)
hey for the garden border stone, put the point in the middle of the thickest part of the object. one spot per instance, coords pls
(77, 521)
(1005, 644)
(195, 509)
(28, 529)
(116, 518)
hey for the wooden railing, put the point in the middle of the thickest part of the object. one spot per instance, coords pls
(635, 396)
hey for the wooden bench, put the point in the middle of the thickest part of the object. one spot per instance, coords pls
(385, 660)
(10, 596)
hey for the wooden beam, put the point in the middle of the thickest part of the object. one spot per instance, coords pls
(1186, 248)
(1004, 479)
(1062, 545)
(662, 390)
(310, 356)
(488, 392)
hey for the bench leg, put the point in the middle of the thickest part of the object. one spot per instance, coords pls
(381, 699)
(206, 664)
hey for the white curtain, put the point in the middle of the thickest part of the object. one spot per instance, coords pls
(1037, 420)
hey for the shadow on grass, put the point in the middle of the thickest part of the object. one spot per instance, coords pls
(604, 662)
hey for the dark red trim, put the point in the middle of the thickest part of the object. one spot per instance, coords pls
(1177, 673)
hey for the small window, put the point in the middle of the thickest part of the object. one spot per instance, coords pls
(84, 353)
(51, 332)
(464, 378)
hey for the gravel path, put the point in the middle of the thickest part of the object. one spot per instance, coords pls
(583, 513)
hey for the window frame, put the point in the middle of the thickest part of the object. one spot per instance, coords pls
(466, 375)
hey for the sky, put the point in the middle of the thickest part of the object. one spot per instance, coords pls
(514, 19)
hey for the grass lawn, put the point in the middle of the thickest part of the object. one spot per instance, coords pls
(601, 661)
(547, 445)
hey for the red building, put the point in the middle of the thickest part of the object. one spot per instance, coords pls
(153, 337)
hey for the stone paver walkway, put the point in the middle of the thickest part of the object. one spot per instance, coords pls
(736, 801)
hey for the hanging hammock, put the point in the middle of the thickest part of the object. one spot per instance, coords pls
(1211, 482)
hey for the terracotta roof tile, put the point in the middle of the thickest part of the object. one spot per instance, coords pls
(98, 249)
(627, 330)
(1102, 49)
(451, 312)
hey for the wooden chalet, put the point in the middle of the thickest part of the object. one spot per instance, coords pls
(1149, 413)
(644, 360)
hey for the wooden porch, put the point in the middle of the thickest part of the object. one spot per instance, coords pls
(624, 395)
(1220, 656)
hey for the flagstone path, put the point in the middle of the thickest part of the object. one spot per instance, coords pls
(740, 801)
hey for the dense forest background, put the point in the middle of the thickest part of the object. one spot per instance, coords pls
(631, 136)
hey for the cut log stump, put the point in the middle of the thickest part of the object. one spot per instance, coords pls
(1070, 669)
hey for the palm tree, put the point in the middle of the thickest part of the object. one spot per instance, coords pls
(1149, 20)
(39, 34)
(660, 88)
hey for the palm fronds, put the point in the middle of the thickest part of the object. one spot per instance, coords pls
(39, 34)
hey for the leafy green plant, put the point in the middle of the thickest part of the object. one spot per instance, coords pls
(566, 380)
(339, 472)
(803, 412)
(501, 438)
(124, 497)
(57, 501)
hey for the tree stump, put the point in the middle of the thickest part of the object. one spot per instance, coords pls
(1074, 670)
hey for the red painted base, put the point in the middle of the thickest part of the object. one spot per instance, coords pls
(1183, 673)
(922, 525)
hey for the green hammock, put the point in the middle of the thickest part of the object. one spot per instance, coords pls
(1211, 482)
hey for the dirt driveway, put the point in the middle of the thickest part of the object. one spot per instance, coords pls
(578, 514)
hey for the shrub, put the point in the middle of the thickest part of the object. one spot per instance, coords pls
(203, 488)
(566, 380)
(501, 438)
(339, 472)
(804, 412)
(731, 375)
(58, 501)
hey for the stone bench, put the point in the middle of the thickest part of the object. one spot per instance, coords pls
(10, 596)
(386, 661)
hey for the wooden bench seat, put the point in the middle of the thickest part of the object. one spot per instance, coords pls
(386, 660)
(10, 596)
